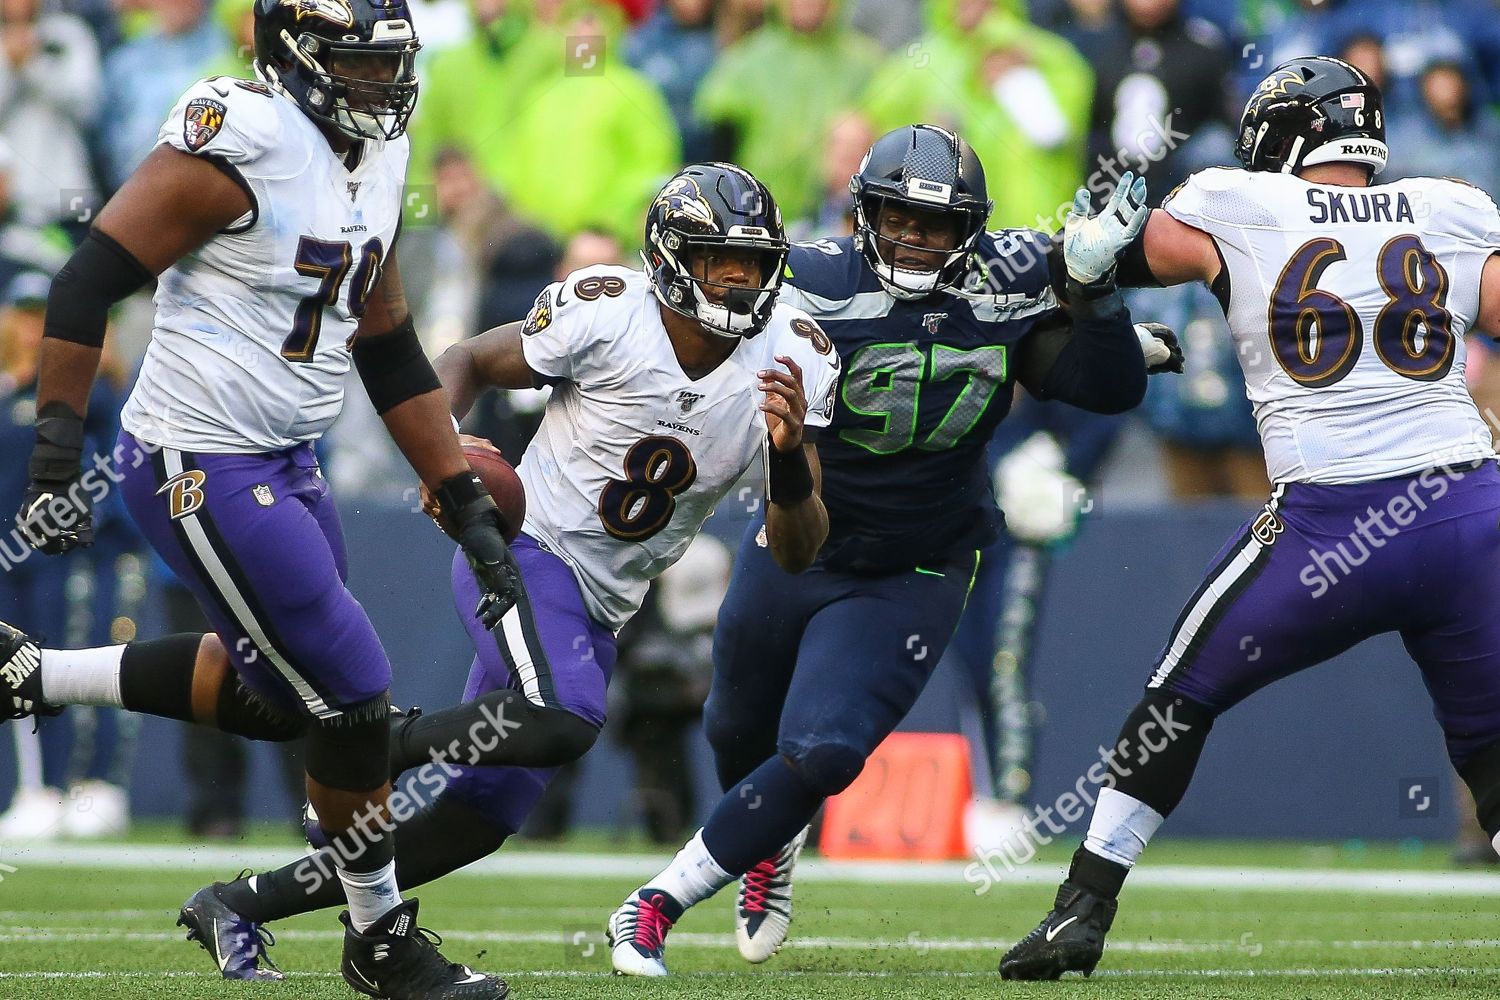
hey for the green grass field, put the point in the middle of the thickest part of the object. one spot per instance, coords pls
(105, 933)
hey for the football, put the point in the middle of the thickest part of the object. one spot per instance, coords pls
(500, 478)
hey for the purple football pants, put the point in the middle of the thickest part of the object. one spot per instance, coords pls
(257, 541)
(547, 647)
(1325, 567)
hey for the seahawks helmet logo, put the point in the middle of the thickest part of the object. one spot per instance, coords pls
(333, 11)
(681, 198)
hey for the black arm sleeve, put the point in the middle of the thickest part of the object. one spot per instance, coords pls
(394, 367)
(99, 274)
(1134, 270)
(1100, 368)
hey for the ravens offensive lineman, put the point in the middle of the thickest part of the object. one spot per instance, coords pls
(268, 213)
(668, 385)
(811, 673)
(1348, 301)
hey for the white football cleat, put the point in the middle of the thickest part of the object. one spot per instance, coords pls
(95, 810)
(637, 932)
(35, 814)
(763, 909)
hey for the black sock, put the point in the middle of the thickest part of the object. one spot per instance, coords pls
(1100, 876)
(497, 728)
(156, 678)
(156, 675)
(442, 837)
(1158, 749)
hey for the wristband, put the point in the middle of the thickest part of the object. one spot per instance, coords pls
(788, 476)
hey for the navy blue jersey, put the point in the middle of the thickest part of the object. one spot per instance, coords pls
(925, 383)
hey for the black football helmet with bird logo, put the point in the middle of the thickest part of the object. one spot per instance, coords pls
(347, 63)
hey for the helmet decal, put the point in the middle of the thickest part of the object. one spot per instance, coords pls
(336, 12)
(683, 199)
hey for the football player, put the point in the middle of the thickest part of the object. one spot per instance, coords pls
(1348, 302)
(268, 216)
(936, 321)
(668, 384)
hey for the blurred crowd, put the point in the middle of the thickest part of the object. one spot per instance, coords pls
(544, 127)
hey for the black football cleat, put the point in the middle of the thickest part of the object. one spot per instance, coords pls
(236, 944)
(396, 960)
(21, 676)
(1070, 939)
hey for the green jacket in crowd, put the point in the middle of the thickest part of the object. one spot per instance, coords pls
(779, 90)
(938, 79)
(568, 134)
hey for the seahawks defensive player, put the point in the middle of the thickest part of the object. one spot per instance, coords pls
(1347, 301)
(936, 321)
(268, 213)
(667, 386)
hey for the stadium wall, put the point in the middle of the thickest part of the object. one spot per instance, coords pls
(1347, 750)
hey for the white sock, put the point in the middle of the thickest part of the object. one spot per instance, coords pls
(1121, 826)
(371, 895)
(82, 676)
(28, 758)
(693, 875)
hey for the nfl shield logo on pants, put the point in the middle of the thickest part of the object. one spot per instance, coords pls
(263, 496)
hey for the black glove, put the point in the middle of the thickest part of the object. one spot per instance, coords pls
(1175, 362)
(478, 527)
(56, 514)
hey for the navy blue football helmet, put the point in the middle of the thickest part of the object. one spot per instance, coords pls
(1313, 110)
(924, 167)
(703, 207)
(348, 63)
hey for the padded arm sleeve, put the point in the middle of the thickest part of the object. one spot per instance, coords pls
(100, 273)
(394, 368)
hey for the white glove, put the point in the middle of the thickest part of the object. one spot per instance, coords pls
(1156, 350)
(1041, 502)
(1092, 244)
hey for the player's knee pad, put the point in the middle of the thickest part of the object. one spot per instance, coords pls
(351, 751)
(1158, 748)
(1481, 772)
(828, 767)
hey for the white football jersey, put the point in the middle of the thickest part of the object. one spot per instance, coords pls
(252, 334)
(1348, 307)
(632, 455)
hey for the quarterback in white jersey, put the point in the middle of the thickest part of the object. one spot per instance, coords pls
(667, 387)
(1349, 301)
(633, 454)
(268, 212)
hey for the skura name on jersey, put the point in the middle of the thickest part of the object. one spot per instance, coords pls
(1358, 206)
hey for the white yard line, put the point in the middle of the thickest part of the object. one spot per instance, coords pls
(579, 939)
(1297, 973)
(218, 859)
